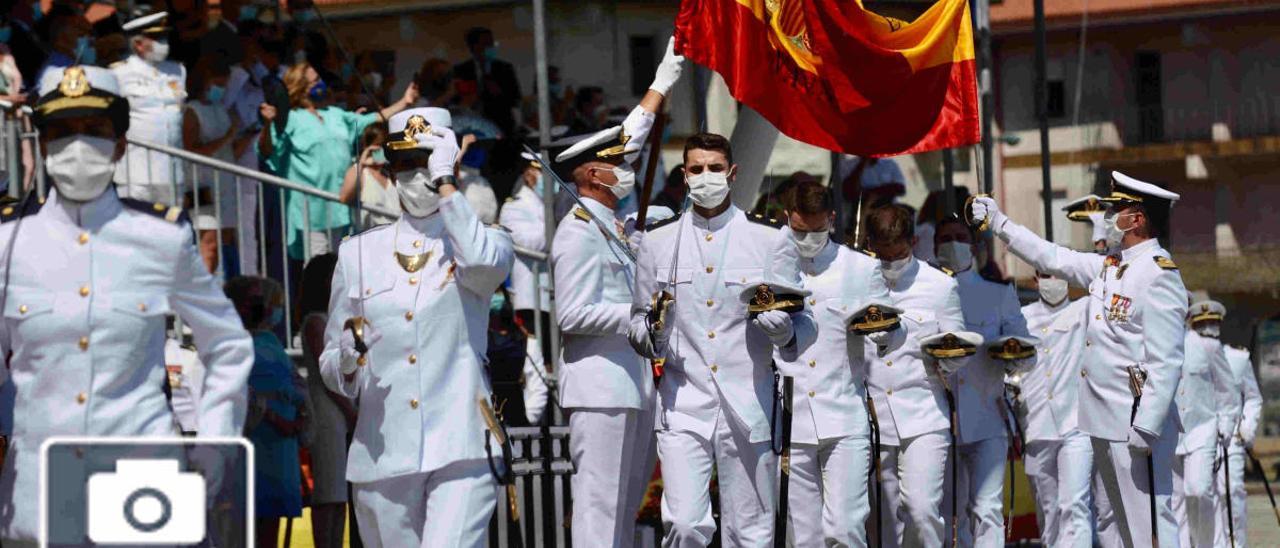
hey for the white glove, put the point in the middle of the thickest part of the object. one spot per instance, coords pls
(669, 70)
(777, 325)
(951, 365)
(880, 338)
(636, 127)
(1018, 367)
(1099, 227)
(985, 208)
(444, 151)
(347, 345)
(1140, 441)
(634, 238)
(1247, 437)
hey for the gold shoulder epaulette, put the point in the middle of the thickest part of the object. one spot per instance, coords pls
(947, 271)
(581, 214)
(1165, 263)
(173, 214)
(866, 252)
(767, 221)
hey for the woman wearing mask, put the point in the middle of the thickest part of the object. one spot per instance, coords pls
(277, 410)
(314, 149)
(368, 178)
(208, 128)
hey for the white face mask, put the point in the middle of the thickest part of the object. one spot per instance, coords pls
(958, 256)
(417, 198)
(159, 51)
(896, 268)
(1209, 330)
(1053, 291)
(708, 189)
(810, 244)
(626, 181)
(1114, 233)
(81, 167)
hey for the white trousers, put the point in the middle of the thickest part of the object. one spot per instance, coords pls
(612, 452)
(1238, 496)
(1059, 472)
(981, 492)
(1122, 491)
(445, 508)
(914, 476)
(746, 475)
(1194, 501)
(828, 493)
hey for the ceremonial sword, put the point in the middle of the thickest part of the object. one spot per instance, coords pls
(876, 471)
(1226, 482)
(1265, 482)
(784, 483)
(1138, 378)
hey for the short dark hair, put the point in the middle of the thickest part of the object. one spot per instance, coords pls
(709, 141)
(474, 34)
(952, 219)
(890, 223)
(810, 197)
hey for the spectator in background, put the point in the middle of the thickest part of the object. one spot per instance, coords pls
(69, 42)
(156, 89)
(368, 179)
(933, 211)
(11, 84)
(208, 128)
(495, 79)
(221, 43)
(245, 91)
(190, 22)
(276, 408)
(673, 193)
(111, 44)
(436, 83)
(333, 415)
(370, 79)
(314, 148)
(475, 186)
(588, 112)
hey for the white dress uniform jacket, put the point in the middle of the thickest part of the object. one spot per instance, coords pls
(1243, 407)
(593, 281)
(1049, 389)
(1202, 392)
(84, 316)
(418, 390)
(908, 394)
(714, 351)
(523, 215)
(830, 397)
(156, 93)
(991, 310)
(1137, 303)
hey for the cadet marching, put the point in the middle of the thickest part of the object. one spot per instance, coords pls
(911, 380)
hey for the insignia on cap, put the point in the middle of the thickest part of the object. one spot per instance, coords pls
(416, 125)
(875, 320)
(1165, 263)
(615, 150)
(950, 346)
(74, 82)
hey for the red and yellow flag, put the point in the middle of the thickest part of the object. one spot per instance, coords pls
(836, 75)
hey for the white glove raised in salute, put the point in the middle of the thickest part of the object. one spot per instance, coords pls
(444, 151)
(776, 324)
(669, 70)
(986, 209)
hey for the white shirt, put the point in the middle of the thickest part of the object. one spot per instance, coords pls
(1050, 389)
(89, 288)
(830, 394)
(418, 390)
(1245, 403)
(1137, 303)
(908, 393)
(1202, 392)
(991, 310)
(523, 214)
(156, 93)
(593, 279)
(715, 355)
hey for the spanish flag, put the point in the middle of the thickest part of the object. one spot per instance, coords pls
(836, 75)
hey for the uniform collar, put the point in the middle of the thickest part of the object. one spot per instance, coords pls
(822, 260)
(525, 192)
(598, 209)
(431, 226)
(715, 223)
(89, 215)
(1139, 250)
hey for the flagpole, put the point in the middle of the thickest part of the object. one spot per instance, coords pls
(1042, 112)
(985, 93)
(948, 183)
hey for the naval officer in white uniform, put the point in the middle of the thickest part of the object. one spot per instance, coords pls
(1202, 395)
(156, 89)
(992, 310)
(908, 387)
(89, 279)
(422, 285)
(716, 396)
(1137, 306)
(1058, 459)
(1243, 411)
(830, 435)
